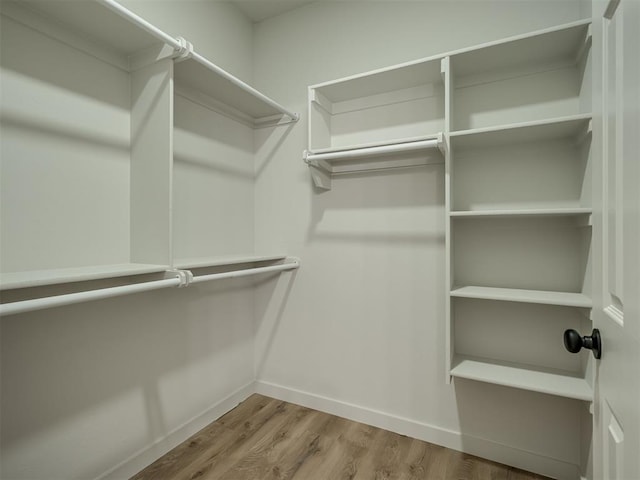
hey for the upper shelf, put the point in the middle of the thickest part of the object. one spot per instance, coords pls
(574, 126)
(116, 35)
(399, 77)
(204, 82)
(97, 27)
(552, 46)
(38, 278)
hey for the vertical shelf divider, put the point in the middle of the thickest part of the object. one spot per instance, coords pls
(447, 78)
(151, 162)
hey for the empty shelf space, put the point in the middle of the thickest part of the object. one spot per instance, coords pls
(98, 28)
(529, 78)
(36, 278)
(572, 126)
(552, 46)
(425, 151)
(204, 82)
(205, 262)
(526, 296)
(533, 212)
(549, 381)
(395, 78)
(384, 107)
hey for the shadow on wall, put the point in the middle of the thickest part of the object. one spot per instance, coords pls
(545, 428)
(97, 369)
(398, 206)
(267, 143)
(272, 298)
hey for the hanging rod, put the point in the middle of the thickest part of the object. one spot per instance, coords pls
(142, 23)
(79, 297)
(292, 265)
(312, 158)
(181, 278)
(185, 50)
(244, 86)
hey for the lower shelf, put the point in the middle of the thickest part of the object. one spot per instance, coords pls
(38, 278)
(552, 382)
(566, 299)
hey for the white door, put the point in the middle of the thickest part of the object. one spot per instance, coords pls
(617, 237)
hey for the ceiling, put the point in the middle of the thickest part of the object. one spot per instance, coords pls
(258, 10)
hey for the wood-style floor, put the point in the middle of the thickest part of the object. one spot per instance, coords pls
(267, 439)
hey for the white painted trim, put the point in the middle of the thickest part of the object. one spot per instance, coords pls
(481, 447)
(150, 454)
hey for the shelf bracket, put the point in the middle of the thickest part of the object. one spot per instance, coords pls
(585, 47)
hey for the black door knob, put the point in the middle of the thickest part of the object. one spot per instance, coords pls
(574, 342)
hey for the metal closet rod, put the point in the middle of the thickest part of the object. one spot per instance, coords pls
(292, 265)
(142, 23)
(79, 297)
(183, 278)
(180, 46)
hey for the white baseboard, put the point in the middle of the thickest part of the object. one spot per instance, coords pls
(150, 454)
(533, 462)
(530, 461)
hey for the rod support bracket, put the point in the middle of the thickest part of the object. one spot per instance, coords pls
(306, 156)
(185, 276)
(185, 51)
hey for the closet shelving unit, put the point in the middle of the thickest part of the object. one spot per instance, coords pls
(519, 211)
(88, 110)
(389, 118)
(515, 120)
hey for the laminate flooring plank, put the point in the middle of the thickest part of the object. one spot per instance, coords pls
(426, 460)
(213, 457)
(245, 436)
(205, 442)
(267, 439)
(383, 458)
(260, 460)
(339, 451)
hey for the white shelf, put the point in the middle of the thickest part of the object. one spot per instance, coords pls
(533, 212)
(37, 278)
(205, 83)
(88, 25)
(220, 261)
(376, 82)
(118, 36)
(552, 46)
(549, 381)
(383, 107)
(530, 78)
(359, 146)
(525, 296)
(573, 126)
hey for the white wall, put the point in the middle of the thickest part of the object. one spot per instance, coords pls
(362, 331)
(86, 387)
(217, 30)
(359, 328)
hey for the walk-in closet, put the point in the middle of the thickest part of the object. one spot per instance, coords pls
(319, 239)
